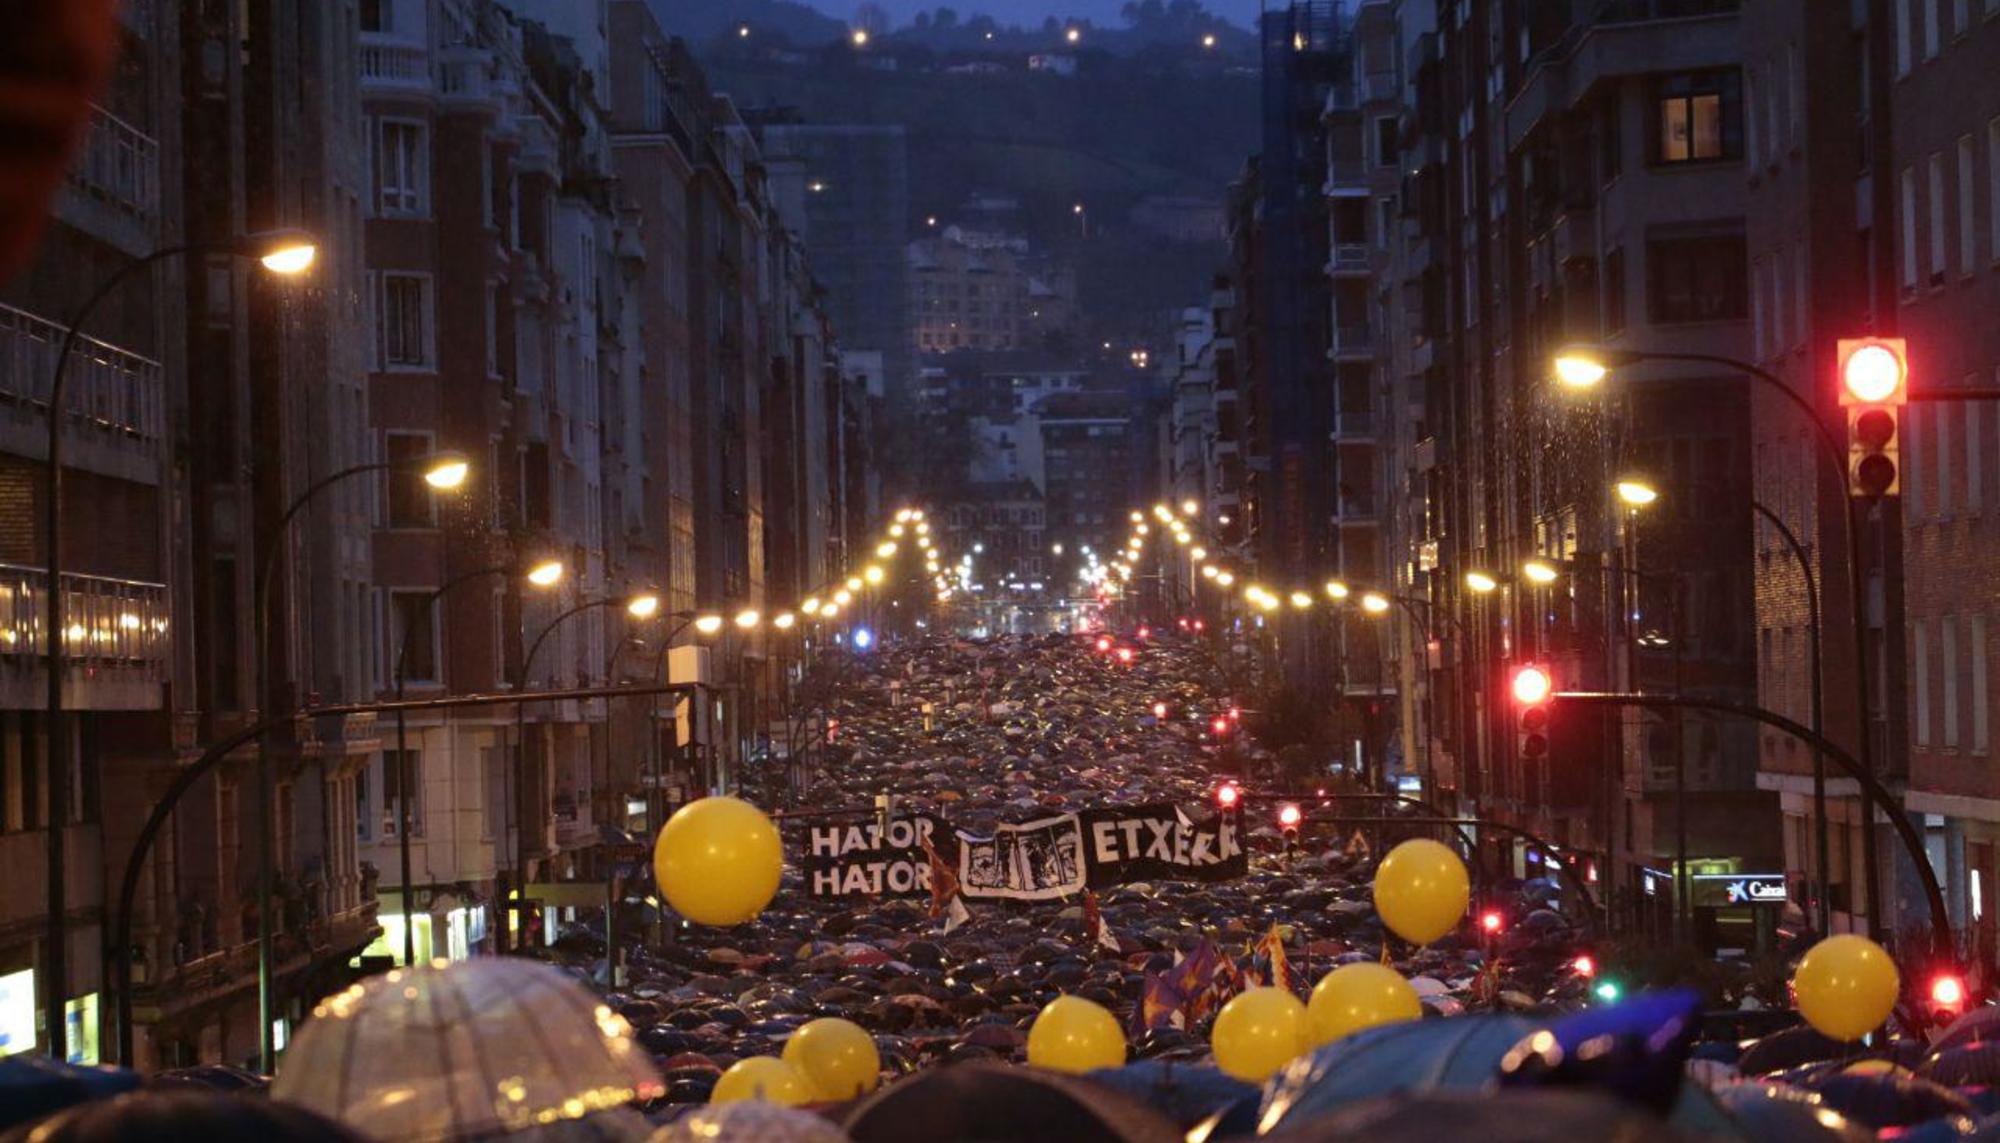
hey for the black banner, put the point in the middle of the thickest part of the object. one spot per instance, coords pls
(862, 859)
(1160, 841)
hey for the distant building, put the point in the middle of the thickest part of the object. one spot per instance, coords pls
(1054, 63)
(1180, 218)
(845, 190)
(983, 290)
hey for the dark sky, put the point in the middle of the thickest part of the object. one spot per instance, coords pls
(1243, 13)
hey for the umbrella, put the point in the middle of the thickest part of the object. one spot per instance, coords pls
(1979, 1024)
(31, 1087)
(1890, 1100)
(1789, 1048)
(208, 1077)
(750, 1121)
(1975, 1062)
(1186, 1093)
(465, 1049)
(1774, 1113)
(995, 1103)
(1515, 1116)
(185, 1117)
(1461, 1054)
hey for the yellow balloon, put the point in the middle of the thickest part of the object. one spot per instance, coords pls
(1258, 1032)
(1358, 996)
(718, 861)
(1846, 986)
(837, 1057)
(1421, 890)
(765, 1078)
(1076, 1035)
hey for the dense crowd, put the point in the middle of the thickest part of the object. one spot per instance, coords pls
(846, 1010)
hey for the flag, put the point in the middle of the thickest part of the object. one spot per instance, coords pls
(1357, 846)
(1160, 1004)
(1486, 985)
(1094, 929)
(945, 899)
(1205, 978)
(1268, 964)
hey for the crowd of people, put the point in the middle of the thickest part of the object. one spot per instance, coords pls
(1051, 887)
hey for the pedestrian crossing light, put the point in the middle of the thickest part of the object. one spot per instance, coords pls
(1874, 384)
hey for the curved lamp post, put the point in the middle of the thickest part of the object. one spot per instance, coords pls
(642, 606)
(1584, 367)
(280, 252)
(543, 574)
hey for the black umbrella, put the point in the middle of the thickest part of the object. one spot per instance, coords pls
(185, 1117)
(208, 1077)
(1775, 1113)
(1516, 1116)
(1790, 1048)
(997, 1103)
(1973, 1063)
(1891, 1100)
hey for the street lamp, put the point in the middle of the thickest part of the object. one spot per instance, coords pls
(1540, 572)
(1636, 493)
(425, 609)
(747, 618)
(285, 252)
(707, 624)
(1479, 581)
(1374, 603)
(1336, 590)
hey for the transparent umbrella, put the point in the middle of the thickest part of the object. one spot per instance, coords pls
(455, 1051)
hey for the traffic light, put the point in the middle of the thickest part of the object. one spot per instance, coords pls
(1491, 922)
(1947, 998)
(1584, 965)
(1289, 817)
(1160, 710)
(1531, 688)
(1874, 384)
(1226, 795)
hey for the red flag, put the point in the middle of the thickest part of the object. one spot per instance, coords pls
(1094, 929)
(945, 900)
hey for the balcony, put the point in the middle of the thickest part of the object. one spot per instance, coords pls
(1352, 343)
(114, 185)
(1349, 258)
(1382, 87)
(119, 637)
(465, 80)
(394, 65)
(1345, 178)
(1354, 425)
(114, 397)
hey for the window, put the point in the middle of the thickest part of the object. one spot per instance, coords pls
(1948, 651)
(1908, 196)
(1386, 141)
(1902, 34)
(1966, 238)
(1614, 290)
(1960, 17)
(412, 504)
(535, 485)
(1795, 94)
(1699, 118)
(1699, 278)
(378, 15)
(1930, 12)
(364, 808)
(1993, 180)
(1755, 138)
(1757, 311)
(402, 771)
(1982, 713)
(413, 631)
(1935, 171)
(1611, 142)
(401, 168)
(1802, 296)
(406, 321)
(492, 329)
(1975, 452)
(1920, 664)
(1946, 422)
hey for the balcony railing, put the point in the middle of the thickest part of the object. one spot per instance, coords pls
(1352, 339)
(392, 63)
(109, 621)
(119, 166)
(1346, 176)
(110, 390)
(1348, 257)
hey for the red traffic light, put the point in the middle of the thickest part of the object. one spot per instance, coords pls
(1235, 714)
(1532, 686)
(1200, 626)
(1947, 991)
(1124, 654)
(1873, 370)
(1491, 921)
(1103, 642)
(1585, 965)
(1226, 795)
(1290, 816)
(1145, 632)
(1220, 725)
(1159, 710)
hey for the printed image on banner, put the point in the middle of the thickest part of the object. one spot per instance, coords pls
(862, 859)
(1161, 841)
(1033, 861)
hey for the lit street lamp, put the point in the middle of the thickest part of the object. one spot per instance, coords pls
(284, 252)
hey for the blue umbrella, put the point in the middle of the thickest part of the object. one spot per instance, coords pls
(1185, 1093)
(1458, 1054)
(32, 1087)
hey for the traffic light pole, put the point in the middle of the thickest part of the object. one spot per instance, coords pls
(1872, 790)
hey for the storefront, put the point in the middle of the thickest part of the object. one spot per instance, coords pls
(1734, 913)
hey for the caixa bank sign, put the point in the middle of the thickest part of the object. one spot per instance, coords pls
(1727, 890)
